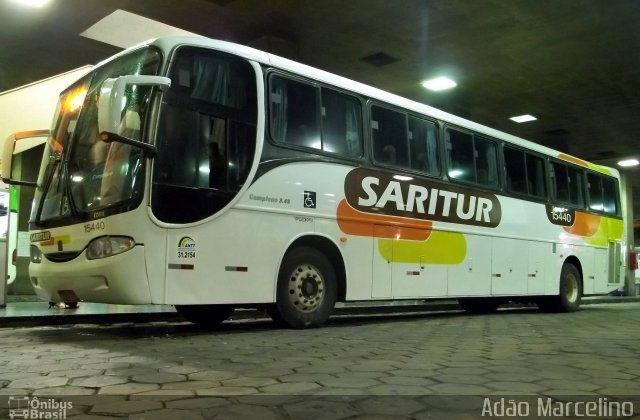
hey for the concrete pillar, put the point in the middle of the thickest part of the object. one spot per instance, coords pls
(627, 208)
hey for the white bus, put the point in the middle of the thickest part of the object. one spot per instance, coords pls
(212, 176)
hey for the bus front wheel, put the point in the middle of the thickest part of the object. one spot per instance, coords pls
(306, 289)
(570, 293)
(205, 315)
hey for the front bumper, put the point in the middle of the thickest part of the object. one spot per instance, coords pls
(119, 279)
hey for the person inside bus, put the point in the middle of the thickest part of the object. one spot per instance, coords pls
(389, 154)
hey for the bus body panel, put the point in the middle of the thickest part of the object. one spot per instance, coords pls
(506, 261)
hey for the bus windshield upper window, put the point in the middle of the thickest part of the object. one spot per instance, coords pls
(209, 120)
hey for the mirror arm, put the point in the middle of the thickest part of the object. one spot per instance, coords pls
(149, 150)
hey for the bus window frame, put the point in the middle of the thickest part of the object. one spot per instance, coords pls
(618, 213)
(474, 184)
(552, 185)
(547, 198)
(270, 72)
(404, 169)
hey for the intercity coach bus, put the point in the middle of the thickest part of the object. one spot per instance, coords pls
(212, 176)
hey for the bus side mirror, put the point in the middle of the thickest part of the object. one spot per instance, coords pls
(113, 99)
(16, 143)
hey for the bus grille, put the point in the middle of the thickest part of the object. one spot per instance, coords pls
(62, 256)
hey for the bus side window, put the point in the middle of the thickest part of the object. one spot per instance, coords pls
(602, 193)
(516, 177)
(294, 113)
(609, 194)
(486, 157)
(576, 186)
(595, 192)
(389, 137)
(460, 156)
(423, 146)
(341, 124)
(561, 183)
(536, 179)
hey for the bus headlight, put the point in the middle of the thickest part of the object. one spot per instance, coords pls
(35, 254)
(106, 246)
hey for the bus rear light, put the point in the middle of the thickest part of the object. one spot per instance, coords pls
(106, 246)
(633, 261)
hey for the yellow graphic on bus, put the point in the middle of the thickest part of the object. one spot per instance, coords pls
(439, 248)
(609, 230)
(584, 163)
(61, 239)
(403, 239)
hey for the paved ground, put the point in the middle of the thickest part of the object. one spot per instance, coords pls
(426, 366)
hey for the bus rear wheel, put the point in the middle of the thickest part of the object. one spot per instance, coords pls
(205, 315)
(306, 289)
(570, 293)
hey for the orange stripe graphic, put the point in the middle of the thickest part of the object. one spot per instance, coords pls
(354, 222)
(573, 159)
(585, 224)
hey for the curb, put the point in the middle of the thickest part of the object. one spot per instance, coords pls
(377, 308)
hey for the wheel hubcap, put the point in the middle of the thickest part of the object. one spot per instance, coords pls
(572, 288)
(306, 288)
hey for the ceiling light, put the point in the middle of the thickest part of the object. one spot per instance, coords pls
(33, 3)
(523, 118)
(628, 162)
(439, 83)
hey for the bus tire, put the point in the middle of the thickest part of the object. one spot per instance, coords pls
(205, 315)
(306, 289)
(570, 292)
(479, 305)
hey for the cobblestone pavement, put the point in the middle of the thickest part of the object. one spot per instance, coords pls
(420, 366)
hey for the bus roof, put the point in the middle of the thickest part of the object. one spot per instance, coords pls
(303, 70)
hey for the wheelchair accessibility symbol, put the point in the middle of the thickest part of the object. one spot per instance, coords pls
(310, 199)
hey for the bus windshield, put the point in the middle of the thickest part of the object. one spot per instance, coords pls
(80, 173)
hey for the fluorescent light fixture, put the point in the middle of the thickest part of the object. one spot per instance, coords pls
(439, 83)
(32, 3)
(628, 163)
(523, 118)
